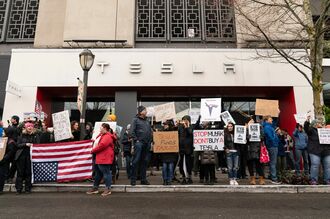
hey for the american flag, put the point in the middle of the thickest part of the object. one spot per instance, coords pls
(62, 162)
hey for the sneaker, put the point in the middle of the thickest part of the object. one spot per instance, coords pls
(146, 182)
(231, 182)
(219, 169)
(275, 182)
(133, 183)
(328, 182)
(106, 192)
(313, 182)
(235, 182)
(92, 191)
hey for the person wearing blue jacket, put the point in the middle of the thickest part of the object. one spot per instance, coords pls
(271, 142)
(301, 141)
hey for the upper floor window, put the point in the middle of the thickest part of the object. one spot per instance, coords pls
(18, 20)
(185, 20)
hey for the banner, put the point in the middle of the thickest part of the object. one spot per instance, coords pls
(80, 95)
(61, 125)
(211, 109)
(254, 132)
(97, 126)
(240, 134)
(166, 142)
(165, 111)
(227, 118)
(300, 118)
(3, 146)
(267, 107)
(209, 140)
(324, 135)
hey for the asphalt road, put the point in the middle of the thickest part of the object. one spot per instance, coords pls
(165, 205)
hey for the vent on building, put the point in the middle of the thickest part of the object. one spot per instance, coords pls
(167, 68)
(135, 68)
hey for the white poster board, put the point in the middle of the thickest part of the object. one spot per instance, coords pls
(61, 125)
(240, 134)
(209, 140)
(254, 132)
(164, 112)
(211, 109)
(97, 126)
(150, 111)
(324, 135)
(194, 114)
(227, 118)
(300, 118)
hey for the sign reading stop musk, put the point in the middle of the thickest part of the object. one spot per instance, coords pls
(166, 142)
(209, 140)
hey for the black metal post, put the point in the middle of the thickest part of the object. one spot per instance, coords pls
(83, 110)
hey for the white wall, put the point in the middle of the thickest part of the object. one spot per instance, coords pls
(31, 68)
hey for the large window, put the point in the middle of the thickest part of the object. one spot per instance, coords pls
(18, 20)
(185, 20)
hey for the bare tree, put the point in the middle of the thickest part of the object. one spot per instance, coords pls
(284, 25)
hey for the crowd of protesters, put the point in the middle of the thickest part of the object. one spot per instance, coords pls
(299, 152)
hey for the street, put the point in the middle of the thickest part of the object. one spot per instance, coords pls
(165, 205)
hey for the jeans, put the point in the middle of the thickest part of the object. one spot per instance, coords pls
(103, 170)
(168, 171)
(141, 156)
(128, 166)
(304, 154)
(232, 163)
(315, 164)
(273, 151)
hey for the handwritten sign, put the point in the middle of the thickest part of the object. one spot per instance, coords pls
(211, 109)
(324, 135)
(267, 107)
(166, 142)
(3, 146)
(227, 118)
(164, 112)
(300, 118)
(254, 132)
(61, 125)
(209, 140)
(240, 134)
(97, 126)
(194, 114)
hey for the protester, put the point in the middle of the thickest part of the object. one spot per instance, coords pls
(253, 159)
(141, 133)
(88, 131)
(318, 153)
(301, 141)
(104, 151)
(23, 157)
(14, 123)
(8, 157)
(126, 141)
(281, 155)
(47, 134)
(288, 147)
(186, 149)
(271, 142)
(75, 131)
(232, 155)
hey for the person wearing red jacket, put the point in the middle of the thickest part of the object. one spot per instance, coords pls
(104, 150)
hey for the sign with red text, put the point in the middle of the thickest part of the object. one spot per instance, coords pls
(209, 140)
(166, 142)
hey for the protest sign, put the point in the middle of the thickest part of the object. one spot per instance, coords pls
(150, 111)
(300, 118)
(211, 109)
(3, 146)
(194, 114)
(267, 107)
(208, 140)
(227, 118)
(324, 135)
(240, 134)
(166, 142)
(164, 112)
(254, 132)
(97, 126)
(61, 125)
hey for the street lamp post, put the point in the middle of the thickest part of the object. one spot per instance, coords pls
(86, 59)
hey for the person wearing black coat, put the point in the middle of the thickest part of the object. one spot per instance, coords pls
(23, 157)
(46, 135)
(8, 157)
(126, 141)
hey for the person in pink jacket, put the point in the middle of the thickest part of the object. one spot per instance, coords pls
(104, 150)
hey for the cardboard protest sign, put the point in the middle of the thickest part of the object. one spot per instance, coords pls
(3, 146)
(194, 114)
(227, 118)
(267, 107)
(166, 142)
(61, 125)
(97, 126)
(211, 109)
(254, 132)
(324, 135)
(300, 118)
(209, 140)
(164, 112)
(240, 134)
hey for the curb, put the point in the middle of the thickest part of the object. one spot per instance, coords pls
(291, 189)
